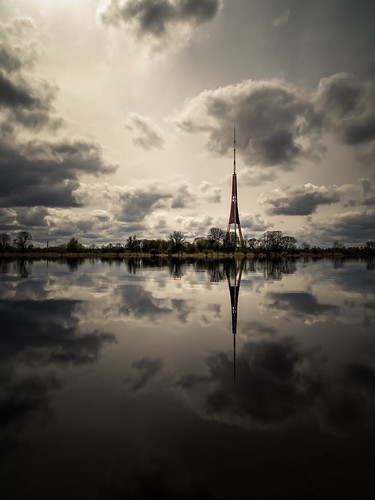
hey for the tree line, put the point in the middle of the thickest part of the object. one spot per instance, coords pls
(216, 240)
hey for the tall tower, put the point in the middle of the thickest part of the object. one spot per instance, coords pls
(234, 216)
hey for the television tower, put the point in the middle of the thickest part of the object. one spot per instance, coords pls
(234, 216)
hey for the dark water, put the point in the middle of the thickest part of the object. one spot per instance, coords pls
(204, 380)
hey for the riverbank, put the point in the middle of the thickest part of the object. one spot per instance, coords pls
(210, 255)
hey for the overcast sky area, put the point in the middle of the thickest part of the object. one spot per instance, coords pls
(117, 118)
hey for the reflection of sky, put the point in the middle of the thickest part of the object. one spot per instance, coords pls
(118, 380)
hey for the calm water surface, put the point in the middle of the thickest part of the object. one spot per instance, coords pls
(216, 380)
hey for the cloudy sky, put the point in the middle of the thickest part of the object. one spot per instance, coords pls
(117, 118)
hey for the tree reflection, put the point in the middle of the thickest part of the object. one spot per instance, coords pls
(275, 268)
(4, 266)
(23, 267)
(215, 271)
(133, 264)
(175, 269)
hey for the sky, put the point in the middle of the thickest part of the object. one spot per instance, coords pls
(117, 117)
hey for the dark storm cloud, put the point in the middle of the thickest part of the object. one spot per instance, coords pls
(254, 222)
(354, 226)
(136, 203)
(143, 372)
(36, 119)
(349, 107)
(300, 200)
(271, 119)
(8, 60)
(350, 227)
(12, 95)
(144, 132)
(183, 198)
(156, 17)
(305, 200)
(341, 94)
(46, 173)
(277, 125)
(32, 217)
(62, 224)
(7, 218)
(37, 171)
(367, 192)
(360, 130)
(25, 101)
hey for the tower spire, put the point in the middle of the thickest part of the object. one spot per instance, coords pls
(234, 149)
(234, 216)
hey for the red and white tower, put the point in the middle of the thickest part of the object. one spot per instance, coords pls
(234, 216)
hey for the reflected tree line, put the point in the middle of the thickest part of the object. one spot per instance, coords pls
(216, 240)
(217, 269)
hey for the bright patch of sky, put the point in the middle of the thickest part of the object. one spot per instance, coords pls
(117, 118)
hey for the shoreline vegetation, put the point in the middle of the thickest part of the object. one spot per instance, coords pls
(209, 255)
(217, 244)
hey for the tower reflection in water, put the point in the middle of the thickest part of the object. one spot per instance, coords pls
(233, 270)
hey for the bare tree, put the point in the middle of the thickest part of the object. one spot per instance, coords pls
(74, 245)
(370, 247)
(288, 243)
(231, 241)
(133, 244)
(4, 241)
(23, 240)
(216, 235)
(252, 244)
(272, 241)
(177, 241)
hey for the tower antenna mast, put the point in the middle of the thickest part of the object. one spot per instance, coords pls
(234, 217)
(234, 149)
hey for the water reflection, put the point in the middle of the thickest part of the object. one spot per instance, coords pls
(117, 379)
(234, 280)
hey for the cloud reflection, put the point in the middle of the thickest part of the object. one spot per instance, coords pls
(277, 381)
(139, 303)
(143, 372)
(38, 337)
(302, 305)
(47, 332)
